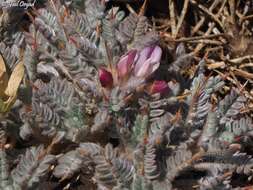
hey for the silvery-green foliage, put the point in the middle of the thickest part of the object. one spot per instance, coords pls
(231, 106)
(33, 166)
(116, 100)
(151, 168)
(117, 14)
(56, 92)
(159, 111)
(123, 170)
(81, 27)
(87, 38)
(111, 170)
(18, 39)
(74, 122)
(216, 144)
(227, 136)
(127, 28)
(239, 127)
(134, 30)
(92, 54)
(3, 135)
(8, 55)
(26, 130)
(109, 25)
(49, 18)
(199, 103)
(94, 10)
(161, 123)
(141, 27)
(85, 26)
(218, 182)
(91, 149)
(30, 62)
(210, 129)
(225, 160)
(101, 120)
(177, 162)
(201, 67)
(109, 35)
(214, 84)
(140, 183)
(47, 31)
(156, 113)
(218, 156)
(46, 117)
(50, 23)
(182, 59)
(139, 129)
(175, 87)
(46, 51)
(5, 177)
(75, 63)
(162, 184)
(47, 69)
(68, 164)
(148, 39)
(54, 105)
(199, 100)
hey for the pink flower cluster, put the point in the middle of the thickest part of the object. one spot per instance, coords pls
(135, 64)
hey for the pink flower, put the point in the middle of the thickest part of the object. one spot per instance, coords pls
(148, 61)
(159, 87)
(105, 78)
(126, 62)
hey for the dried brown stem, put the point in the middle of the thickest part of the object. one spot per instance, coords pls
(201, 45)
(202, 20)
(143, 8)
(225, 76)
(182, 16)
(131, 10)
(198, 25)
(205, 10)
(172, 18)
(193, 38)
(206, 41)
(242, 73)
(232, 9)
(247, 17)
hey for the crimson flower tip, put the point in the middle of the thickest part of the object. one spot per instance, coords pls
(105, 78)
(159, 87)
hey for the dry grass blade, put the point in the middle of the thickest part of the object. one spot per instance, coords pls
(182, 16)
(242, 73)
(205, 10)
(2, 66)
(15, 79)
(172, 18)
(3, 76)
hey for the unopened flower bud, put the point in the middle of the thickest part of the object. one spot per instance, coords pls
(105, 78)
(126, 62)
(159, 87)
(148, 61)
